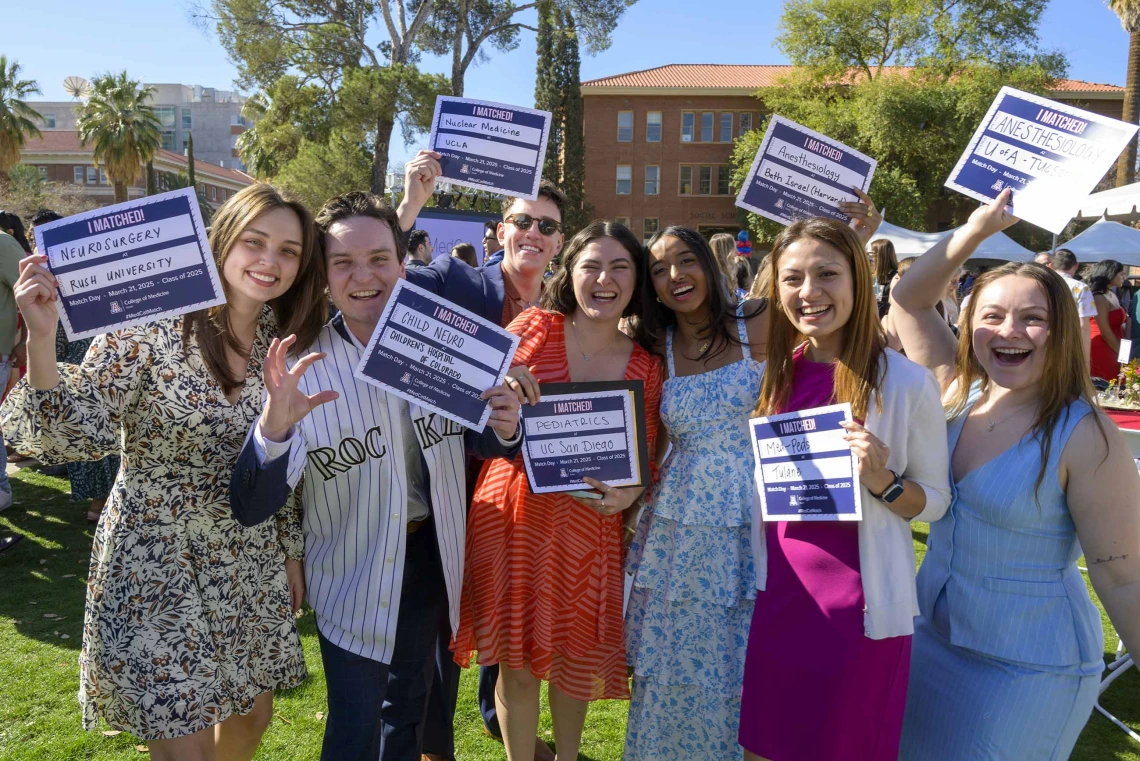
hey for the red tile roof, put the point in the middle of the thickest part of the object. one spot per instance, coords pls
(752, 77)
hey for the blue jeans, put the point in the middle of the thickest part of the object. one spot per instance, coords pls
(377, 710)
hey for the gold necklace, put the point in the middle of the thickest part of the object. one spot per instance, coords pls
(578, 342)
(991, 425)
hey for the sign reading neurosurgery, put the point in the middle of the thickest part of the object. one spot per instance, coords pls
(130, 264)
(805, 469)
(437, 355)
(586, 429)
(1050, 153)
(800, 173)
(490, 146)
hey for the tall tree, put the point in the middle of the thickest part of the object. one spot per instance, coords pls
(1129, 13)
(122, 127)
(17, 118)
(191, 169)
(579, 211)
(548, 87)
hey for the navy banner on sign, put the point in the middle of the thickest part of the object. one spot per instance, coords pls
(586, 429)
(805, 470)
(1051, 154)
(437, 355)
(800, 173)
(490, 146)
(131, 264)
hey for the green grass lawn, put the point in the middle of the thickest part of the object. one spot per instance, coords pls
(41, 612)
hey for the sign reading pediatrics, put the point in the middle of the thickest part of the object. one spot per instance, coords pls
(805, 470)
(490, 146)
(1051, 154)
(437, 355)
(131, 263)
(586, 429)
(800, 173)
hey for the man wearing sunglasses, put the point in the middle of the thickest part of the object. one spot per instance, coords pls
(531, 236)
(492, 248)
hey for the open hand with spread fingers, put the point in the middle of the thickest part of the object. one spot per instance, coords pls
(286, 404)
(615, 499)
(505, 406)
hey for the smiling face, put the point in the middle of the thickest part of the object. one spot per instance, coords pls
(1009, 331)
(263, 262)
(678, 278)
(816, 291)
(604, 277)
(362, 271)
(526, 253)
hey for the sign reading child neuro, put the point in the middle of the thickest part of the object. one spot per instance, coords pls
(586, 429)
(490, 146)
(1051, 154)
(801, 173)
(130, 264)
(805, 470)
(437, 355)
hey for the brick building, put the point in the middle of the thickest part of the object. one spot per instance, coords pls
(658, 141)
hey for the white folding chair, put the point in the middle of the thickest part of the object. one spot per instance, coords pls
(1117, 667)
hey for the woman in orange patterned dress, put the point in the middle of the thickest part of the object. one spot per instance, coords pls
(542, 587)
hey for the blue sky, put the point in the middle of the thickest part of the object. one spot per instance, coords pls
(57, 38)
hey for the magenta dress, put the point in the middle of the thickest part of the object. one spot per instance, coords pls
(815, 687)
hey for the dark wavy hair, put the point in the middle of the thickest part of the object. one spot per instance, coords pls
(649, 327)
(1107, 268)
(11, 221)
(558, 295)
(360, 203)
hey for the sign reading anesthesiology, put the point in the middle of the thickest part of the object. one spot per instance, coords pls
(1051, 154)
(437, 355)
(490, 146)
(805, 470)
(130, 264)
(586, 429)
(801, 173)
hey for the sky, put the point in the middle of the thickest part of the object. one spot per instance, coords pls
(54, 39)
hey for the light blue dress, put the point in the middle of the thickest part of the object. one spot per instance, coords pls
(1008, 649)
(694, 586)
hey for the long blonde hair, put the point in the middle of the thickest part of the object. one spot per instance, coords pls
(857, 369)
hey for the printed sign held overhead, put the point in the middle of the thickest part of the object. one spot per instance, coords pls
(800, 173)
(1050, 153)
(130, 264)
(490, 146)
(437, 355)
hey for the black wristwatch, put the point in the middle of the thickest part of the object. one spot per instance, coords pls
(892, 492)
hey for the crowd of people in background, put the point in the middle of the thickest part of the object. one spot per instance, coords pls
(201, 447)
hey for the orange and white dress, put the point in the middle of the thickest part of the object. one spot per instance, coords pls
(542, 585)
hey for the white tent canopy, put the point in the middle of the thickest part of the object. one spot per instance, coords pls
(1107, 240)
(912, 243)
(1002, 247)
(1118, 203)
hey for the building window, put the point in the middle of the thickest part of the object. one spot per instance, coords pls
(688, 120)
(745, 124)
(651, 225)
(707, 127)
(102, 176)
(705, 186)
(187, 119)
(625, 126)
(653, 127)
(78, 176)
(652, 180)
(166, 116)
(723, 174)
(43, 172)
(49, 121)
(624, 179)
(623, 221)
(168, 140)
(686, 180)
(726, 128)
(213, 193)
(92, 175)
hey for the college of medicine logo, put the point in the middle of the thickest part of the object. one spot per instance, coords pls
(115, 308)
(562, 473)
(793, 501)
(780, 203)
(463, 169)
(406, 378)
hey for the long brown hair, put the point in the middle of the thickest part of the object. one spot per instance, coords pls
(886, 262)
(1066, 375)
(857, 369)
(301, 310)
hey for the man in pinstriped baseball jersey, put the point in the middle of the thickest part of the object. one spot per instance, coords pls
(378, 507)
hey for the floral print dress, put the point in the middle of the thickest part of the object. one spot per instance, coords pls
(89, 480)
(187, 617)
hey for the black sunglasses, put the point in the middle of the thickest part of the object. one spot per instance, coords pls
(546, 225)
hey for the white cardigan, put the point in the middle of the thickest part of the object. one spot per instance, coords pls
(913, 425)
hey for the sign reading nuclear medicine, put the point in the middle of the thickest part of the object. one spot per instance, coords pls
(490, 146)
(130, 264)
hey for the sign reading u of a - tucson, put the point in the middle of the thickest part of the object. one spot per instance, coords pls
(490, 146)
(800, 173)
(130, 264)
(805, 470)
(1051, 154)
(437, 355)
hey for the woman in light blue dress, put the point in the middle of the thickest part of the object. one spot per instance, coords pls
(693, 589)
(1008, 649)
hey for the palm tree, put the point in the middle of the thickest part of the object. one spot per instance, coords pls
(1129, 13)
(17, 118)
(124, 130)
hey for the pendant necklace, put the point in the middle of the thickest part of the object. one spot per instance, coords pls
(578, 341)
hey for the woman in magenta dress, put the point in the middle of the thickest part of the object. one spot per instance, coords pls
(829, 649)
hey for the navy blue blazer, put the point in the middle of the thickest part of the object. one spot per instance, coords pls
(476, 290)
